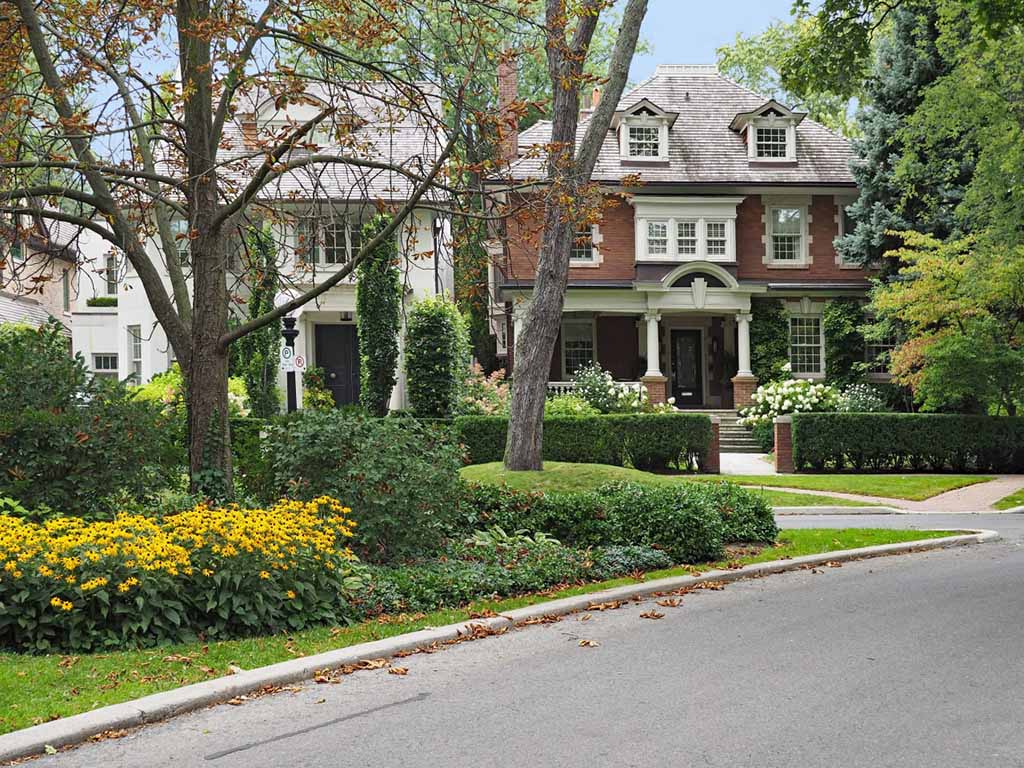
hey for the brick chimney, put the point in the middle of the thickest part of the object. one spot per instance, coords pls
(508, 92)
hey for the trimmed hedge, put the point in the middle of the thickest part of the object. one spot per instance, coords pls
(644, 440)
(908, 441)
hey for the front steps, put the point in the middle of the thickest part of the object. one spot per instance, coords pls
(732, 436)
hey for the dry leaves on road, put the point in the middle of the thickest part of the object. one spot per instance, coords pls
(671, 602)
(611, 605)
(402, 671)
(588, 644)
(652, 614)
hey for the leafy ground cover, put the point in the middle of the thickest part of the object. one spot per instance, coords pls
(35, 689)
(562, 476)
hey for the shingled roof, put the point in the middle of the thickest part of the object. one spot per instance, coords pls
(702, 148)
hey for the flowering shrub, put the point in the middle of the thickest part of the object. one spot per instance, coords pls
(862, 398)
(789, 396)
(167, 389)
(597, 387)
(315, 394)
(484, 395)
(568, 405)
(72, 585)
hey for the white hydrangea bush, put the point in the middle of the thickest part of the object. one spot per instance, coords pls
(600, 390)
(862, 398)
(777, 398)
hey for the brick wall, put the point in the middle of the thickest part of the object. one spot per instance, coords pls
(784, 444)
(616, 248)
(823, 228)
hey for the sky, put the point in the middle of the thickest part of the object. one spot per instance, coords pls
(689, 31)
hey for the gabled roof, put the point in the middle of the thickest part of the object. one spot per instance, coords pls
(703, 148)
(772, 109)
(644, 105)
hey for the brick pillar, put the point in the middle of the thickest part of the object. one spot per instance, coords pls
(657, 388)
(784, 444)
(713, 464)
(508, 92)
(742, 388)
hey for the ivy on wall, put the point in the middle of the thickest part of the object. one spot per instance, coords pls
(842, 323)
(769, 339)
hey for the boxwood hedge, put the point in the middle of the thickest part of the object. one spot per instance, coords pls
(644, 440)
(908, 441)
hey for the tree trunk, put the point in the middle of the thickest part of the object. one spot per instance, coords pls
(568, 176)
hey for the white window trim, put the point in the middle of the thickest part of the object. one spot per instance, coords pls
(318, 225)
(820, 373)
(771, 121)
(105, 371)
(673, 210)
(135, 337)
(644, 121)
(841, 202)
(596, 238)
(593, 341)
(768, 258)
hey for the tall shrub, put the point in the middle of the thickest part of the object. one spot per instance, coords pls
(844, 341)
(378, 315)
(769, 340)
(257, 352)
(69, 441)
(436, 357)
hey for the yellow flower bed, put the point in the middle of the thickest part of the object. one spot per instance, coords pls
(218, 570)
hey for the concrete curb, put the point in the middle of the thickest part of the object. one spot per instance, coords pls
(792, 511)
(79, 728)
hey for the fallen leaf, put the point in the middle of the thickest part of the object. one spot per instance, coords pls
(320, 701)
(589, 643)
(611, 605)
(672, 602)
(398, 671)
(236, 702)
(545, 619)
(67, 662)
(583, 617)
(652, 615)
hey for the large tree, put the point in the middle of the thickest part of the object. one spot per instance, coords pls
(568, 196)
(138, 127)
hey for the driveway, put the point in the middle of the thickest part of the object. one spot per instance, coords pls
(899, 661)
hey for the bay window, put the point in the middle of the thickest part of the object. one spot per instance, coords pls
(715, 238)
(657, 238)
(686, 234)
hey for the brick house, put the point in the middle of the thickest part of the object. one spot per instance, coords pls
(739, 198)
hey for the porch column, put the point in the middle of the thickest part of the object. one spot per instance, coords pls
(655, 383)
(744, 382)
(653, 345)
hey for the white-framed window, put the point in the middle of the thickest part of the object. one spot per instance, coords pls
(657, 238)
(877, 355)
(336, 234)
(806, 345)
(771, 142)
(327, 240)
(110, 275)
(716, 238)
(786, 240)
(307, 240)
(180, 230)
(686, 237)
(135, 352)
(578, 345)
(583, 246)
(643, 141)
(104, 365)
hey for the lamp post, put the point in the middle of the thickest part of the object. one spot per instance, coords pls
(290, 333)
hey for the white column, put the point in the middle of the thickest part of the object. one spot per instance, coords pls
(743, 345)
(653, 347)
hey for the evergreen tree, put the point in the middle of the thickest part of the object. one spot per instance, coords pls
(378, 315)
(895, 194)
(256, 355)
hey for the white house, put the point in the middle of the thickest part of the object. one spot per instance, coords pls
(316, 217)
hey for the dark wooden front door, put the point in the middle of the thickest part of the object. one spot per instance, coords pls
(337, 352)
(687, 368)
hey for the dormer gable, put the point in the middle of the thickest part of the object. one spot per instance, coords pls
(769, 132)
(643, 131)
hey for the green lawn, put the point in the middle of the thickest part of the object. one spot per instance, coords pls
(1011, 501)
(34, 689)
(563, 476)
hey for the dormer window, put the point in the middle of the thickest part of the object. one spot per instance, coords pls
(769, 132)
(643, 132)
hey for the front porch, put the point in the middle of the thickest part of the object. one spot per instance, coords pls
(700, 361)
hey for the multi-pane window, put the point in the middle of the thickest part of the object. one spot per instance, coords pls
(877, 354)
(135, 352)
(327, 240)
(180, 230)
(105, 365)
(583, 245)
(805, 344)
(771, 142)
(336, 242)
(307, 240)
(714, 234)
(686, 237)
(787, 234)
(644, 141)
(657, 238)
(110, 275)
(577, 346)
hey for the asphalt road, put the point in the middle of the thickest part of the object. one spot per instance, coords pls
(901, 661)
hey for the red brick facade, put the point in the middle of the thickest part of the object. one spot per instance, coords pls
(713, 463)
(784, 445)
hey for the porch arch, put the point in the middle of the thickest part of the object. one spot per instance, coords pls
(706, 267)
